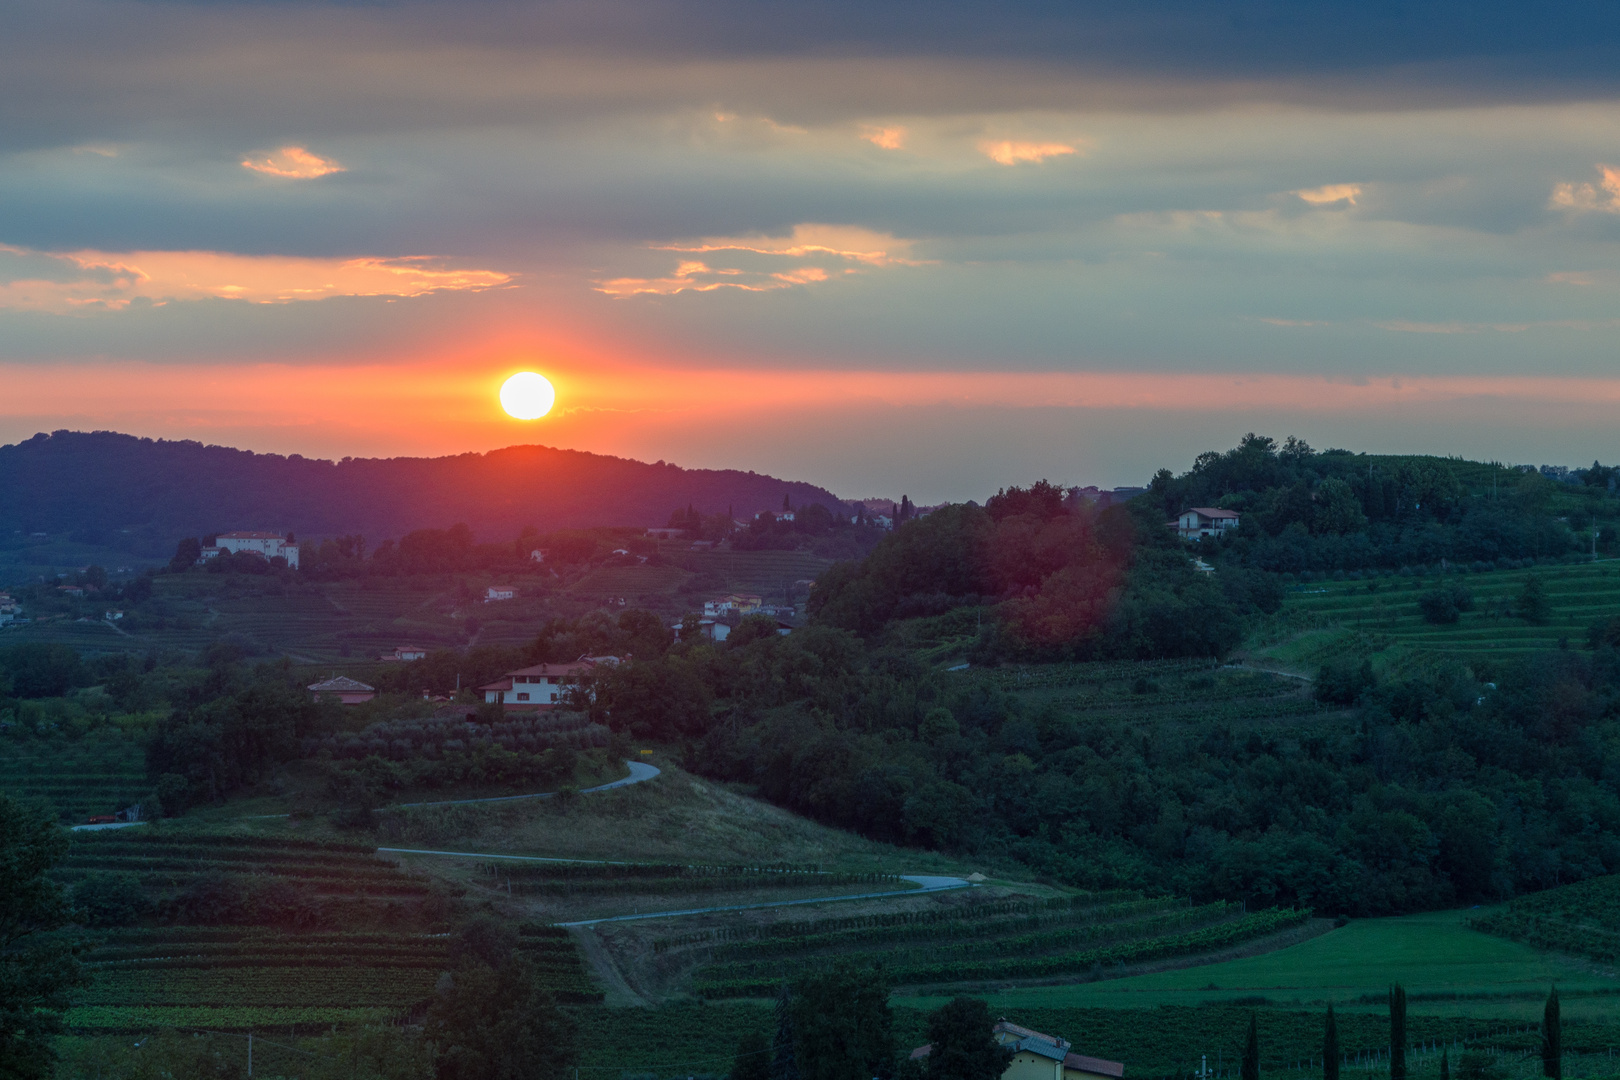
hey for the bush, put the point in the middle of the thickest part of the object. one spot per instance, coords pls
(1445, 605)
(1344, 682)
(110, 898)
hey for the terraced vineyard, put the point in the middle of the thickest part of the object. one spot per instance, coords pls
(1381, 614)
(356, 941)
(765, 572)
(616, 879)
(630, 582)
(101, 773)
(1582, 919)
(995, 941)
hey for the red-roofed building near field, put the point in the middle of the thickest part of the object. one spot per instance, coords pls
(267, 544)
(1042, 1057)
(542, 686)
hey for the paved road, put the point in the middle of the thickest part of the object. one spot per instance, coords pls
(639, 771)
(929, 884)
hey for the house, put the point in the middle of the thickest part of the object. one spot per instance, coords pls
(666, 534)
(267, 544)
(741, 603)
(70, 590)
(1202, 521)
(348, 691)
(113, 616)
(542, 685)
(1042, 1057)
(499, 592)
(537, 555)
(404, 653)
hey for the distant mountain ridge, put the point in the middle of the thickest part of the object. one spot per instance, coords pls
(100, 483)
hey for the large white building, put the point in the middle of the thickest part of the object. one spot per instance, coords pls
(260, 543)
(1202, 521)
(542, 685)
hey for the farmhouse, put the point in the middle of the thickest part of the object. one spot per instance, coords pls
(348, 691)
(542, 685)
(1202, 521)
(741, 603)
(1042, 1057)
(266, 544)
(499, 592)
(404, 653)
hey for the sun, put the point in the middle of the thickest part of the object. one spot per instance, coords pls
(527, 396)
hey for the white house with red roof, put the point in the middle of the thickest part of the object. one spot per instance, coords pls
(542, 685)
(266, 544)
(1037, 1056)
(1202, 521)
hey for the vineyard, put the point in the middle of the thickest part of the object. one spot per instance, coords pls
(1580, 919)
(1379, 613)
(994, 941)
(619, 879)
(100, 773)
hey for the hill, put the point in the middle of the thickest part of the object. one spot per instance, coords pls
(139, 495)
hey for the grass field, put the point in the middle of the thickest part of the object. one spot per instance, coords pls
(1379, 617)
(1447, 968)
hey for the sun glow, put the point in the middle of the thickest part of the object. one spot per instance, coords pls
(527, 396)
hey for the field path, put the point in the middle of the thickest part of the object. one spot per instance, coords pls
(927, 884)
(639, 771)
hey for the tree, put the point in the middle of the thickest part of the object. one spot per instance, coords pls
(842, 1026)
(753, 1059)
(1445, 1065)
(1397, 1032)
(784, 1062)
(39, 964)
(1251, 1051)
(963, 1046)
(1533, 605)
(186, 554)
(1552, 1039)
(499, 1024)
(1330, 1047)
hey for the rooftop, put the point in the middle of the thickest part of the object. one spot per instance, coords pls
(342, 684)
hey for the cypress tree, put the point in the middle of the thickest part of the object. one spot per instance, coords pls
(784, 1064)
(1552, 1039)
(1330, 1047)
(1445, 1066)
(1397, 1032)
(1251, 1050)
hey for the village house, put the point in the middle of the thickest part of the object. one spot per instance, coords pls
(404, 653)
(741, 603)
(348, 691)
(499, 592)
(1042, 1057)
(267, 544)
(1202, 521)
(542, 686)
(666, 534)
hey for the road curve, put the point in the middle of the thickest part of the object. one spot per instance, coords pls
(639, 771)
(929, 884)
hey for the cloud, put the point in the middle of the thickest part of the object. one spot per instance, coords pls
(809, 255)
(97, 280)
(294, 163)
(1007, 152)
(889, 138)
(1328, 194)
(1583, 198)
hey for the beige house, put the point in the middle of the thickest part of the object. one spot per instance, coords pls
(1043, 1057)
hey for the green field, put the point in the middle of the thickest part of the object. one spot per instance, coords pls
(1378, 617)
(1447, 968)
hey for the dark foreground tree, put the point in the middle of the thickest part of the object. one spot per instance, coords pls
(499, 1024)
(1397, 1032)
(962, 1044)
(1445, 1065)
(753, 1060)
(1251, 1051)
(842, 1025)
(1552, 1039)
(1330, 1047)
(1532, 605)
(39, 963)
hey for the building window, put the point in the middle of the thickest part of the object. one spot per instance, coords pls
(523, 697)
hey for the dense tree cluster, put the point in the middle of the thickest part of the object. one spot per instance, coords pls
(1308, 511)
(1059, 579)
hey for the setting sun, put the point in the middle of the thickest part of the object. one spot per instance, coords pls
(527, 396)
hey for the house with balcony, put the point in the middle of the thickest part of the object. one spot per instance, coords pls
(1202, 521)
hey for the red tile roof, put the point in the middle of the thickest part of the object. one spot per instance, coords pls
(1214, 512)
(1099, 1066)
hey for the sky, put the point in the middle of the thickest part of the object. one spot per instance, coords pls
(922, 248)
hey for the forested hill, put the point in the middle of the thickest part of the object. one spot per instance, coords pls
(93, 484)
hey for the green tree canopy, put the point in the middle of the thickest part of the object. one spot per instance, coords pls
(961, 1044)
